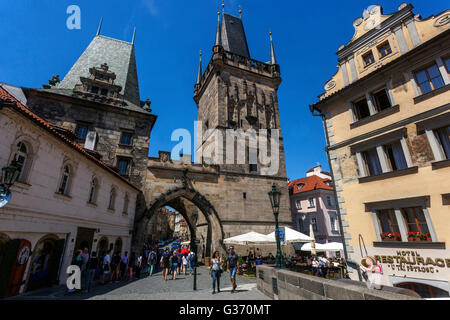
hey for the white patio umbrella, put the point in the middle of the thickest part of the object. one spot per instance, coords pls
(317, 247)
(333, 246)
(249, 238)
(292, 236)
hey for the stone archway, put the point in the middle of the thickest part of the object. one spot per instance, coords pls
(180, 199)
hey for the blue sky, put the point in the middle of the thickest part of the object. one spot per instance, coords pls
(37, 45)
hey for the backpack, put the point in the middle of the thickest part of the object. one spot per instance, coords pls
(152, 256)
(166, 258)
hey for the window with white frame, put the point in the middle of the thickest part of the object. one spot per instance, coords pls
(381, 99)
(334, 223)
(428, 78)
(361, 109)
(311, 202)
(383, 158)
(298, 204)
(442, 136)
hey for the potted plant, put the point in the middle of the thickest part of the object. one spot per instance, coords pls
(387, 236)
(418, 236)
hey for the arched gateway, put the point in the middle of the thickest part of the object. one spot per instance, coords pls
(201, 216)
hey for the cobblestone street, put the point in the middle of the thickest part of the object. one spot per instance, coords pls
(154, 288)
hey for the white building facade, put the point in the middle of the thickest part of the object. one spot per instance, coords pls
(64, 200)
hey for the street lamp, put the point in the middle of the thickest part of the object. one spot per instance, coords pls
(9, 176)
(274, 196)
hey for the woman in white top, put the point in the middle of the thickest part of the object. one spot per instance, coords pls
(106, 266)
(215, 271)
(185, 263)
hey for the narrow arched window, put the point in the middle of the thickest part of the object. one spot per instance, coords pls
(21, 159)
(112, 199)
(125, 204)
(65, 180)
(93, 191)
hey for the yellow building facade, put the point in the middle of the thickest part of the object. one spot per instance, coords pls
(386, 117)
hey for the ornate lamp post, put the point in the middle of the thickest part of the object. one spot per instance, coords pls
(9, 176)
(274, 196)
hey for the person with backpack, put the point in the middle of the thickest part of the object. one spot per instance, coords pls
(174, 261)
(152, 261)
(165, 263)
(179, 261)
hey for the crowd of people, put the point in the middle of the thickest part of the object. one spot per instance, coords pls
(116, 267)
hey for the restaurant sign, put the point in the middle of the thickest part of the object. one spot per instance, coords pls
(412, 261)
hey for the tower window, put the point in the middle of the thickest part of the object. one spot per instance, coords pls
(82, 131)
(244, 195)
(125, 139)
(104, 92)
(94, 90)
(123, 164)
(253, 168)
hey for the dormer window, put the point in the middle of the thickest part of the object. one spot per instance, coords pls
(384, 49)
(368, 58)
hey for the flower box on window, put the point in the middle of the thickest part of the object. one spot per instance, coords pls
(387, 236)
(419, 237)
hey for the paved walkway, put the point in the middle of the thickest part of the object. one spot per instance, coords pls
(155, 288)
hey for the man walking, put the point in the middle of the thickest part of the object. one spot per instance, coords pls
(165, 263)
(152, 261)
(232, 266)
(123, 265)
(91, 267)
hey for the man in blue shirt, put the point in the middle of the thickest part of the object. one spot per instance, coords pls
(232, 266)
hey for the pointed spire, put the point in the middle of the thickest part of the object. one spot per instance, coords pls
(100, 26)
(273, 59)
(134, 35)
(223, 6)
(200, 74)
(218, 32)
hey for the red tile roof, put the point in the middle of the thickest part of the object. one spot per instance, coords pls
(309, 184)
(7, 98)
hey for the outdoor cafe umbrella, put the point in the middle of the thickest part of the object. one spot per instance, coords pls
(249, 238)
(292, 236)
(317, 247)
(333, 246)
(313, 242)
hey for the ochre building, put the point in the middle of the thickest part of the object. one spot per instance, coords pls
(386, 117)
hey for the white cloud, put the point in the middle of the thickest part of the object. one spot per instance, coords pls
(151, 6)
